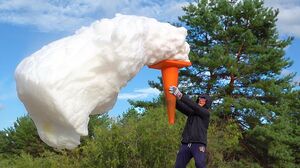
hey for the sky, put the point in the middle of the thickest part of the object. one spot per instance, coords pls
(28, 25)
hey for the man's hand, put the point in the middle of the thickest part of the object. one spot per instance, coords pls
(175, 91)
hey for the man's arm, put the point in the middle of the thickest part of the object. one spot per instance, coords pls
(183, 108)
(197, 110)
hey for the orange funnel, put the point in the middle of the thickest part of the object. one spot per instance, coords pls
(169, 70)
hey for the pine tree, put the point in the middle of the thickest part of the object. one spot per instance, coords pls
(238, 57)
(22, 137)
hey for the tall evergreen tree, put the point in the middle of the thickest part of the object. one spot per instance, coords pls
(238, 57)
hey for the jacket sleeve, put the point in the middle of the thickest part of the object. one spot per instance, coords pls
(183, 108)
(197, 110)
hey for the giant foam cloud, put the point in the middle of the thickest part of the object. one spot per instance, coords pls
(80, 75)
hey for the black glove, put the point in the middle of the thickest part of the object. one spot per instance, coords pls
(175, 91)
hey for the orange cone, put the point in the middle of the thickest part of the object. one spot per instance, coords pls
(169, 70)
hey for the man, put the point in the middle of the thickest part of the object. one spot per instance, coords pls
(194, 136)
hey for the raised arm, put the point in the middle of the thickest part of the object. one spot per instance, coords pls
(183, 108)
(197, 110)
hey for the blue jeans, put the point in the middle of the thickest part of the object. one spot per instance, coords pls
(187, 151)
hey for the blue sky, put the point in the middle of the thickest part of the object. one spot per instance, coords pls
(27, 25)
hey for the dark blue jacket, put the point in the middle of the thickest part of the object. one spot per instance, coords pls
(195, 130)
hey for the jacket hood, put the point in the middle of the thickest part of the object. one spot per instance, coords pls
(208, 100)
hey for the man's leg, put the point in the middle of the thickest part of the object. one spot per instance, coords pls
(184, 155)
(199, 155)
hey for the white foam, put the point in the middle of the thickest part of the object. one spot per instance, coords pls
(71, 78)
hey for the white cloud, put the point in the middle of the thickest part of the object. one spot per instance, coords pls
(288, 18)
(167, 10)
(46, 15)
(139, 94)
(68, 15)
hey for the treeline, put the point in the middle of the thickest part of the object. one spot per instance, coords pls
(134, 140)
(146, 140)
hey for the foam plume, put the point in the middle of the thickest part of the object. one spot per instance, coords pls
(80, 75)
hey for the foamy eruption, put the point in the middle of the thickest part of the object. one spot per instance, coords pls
(80, 75)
